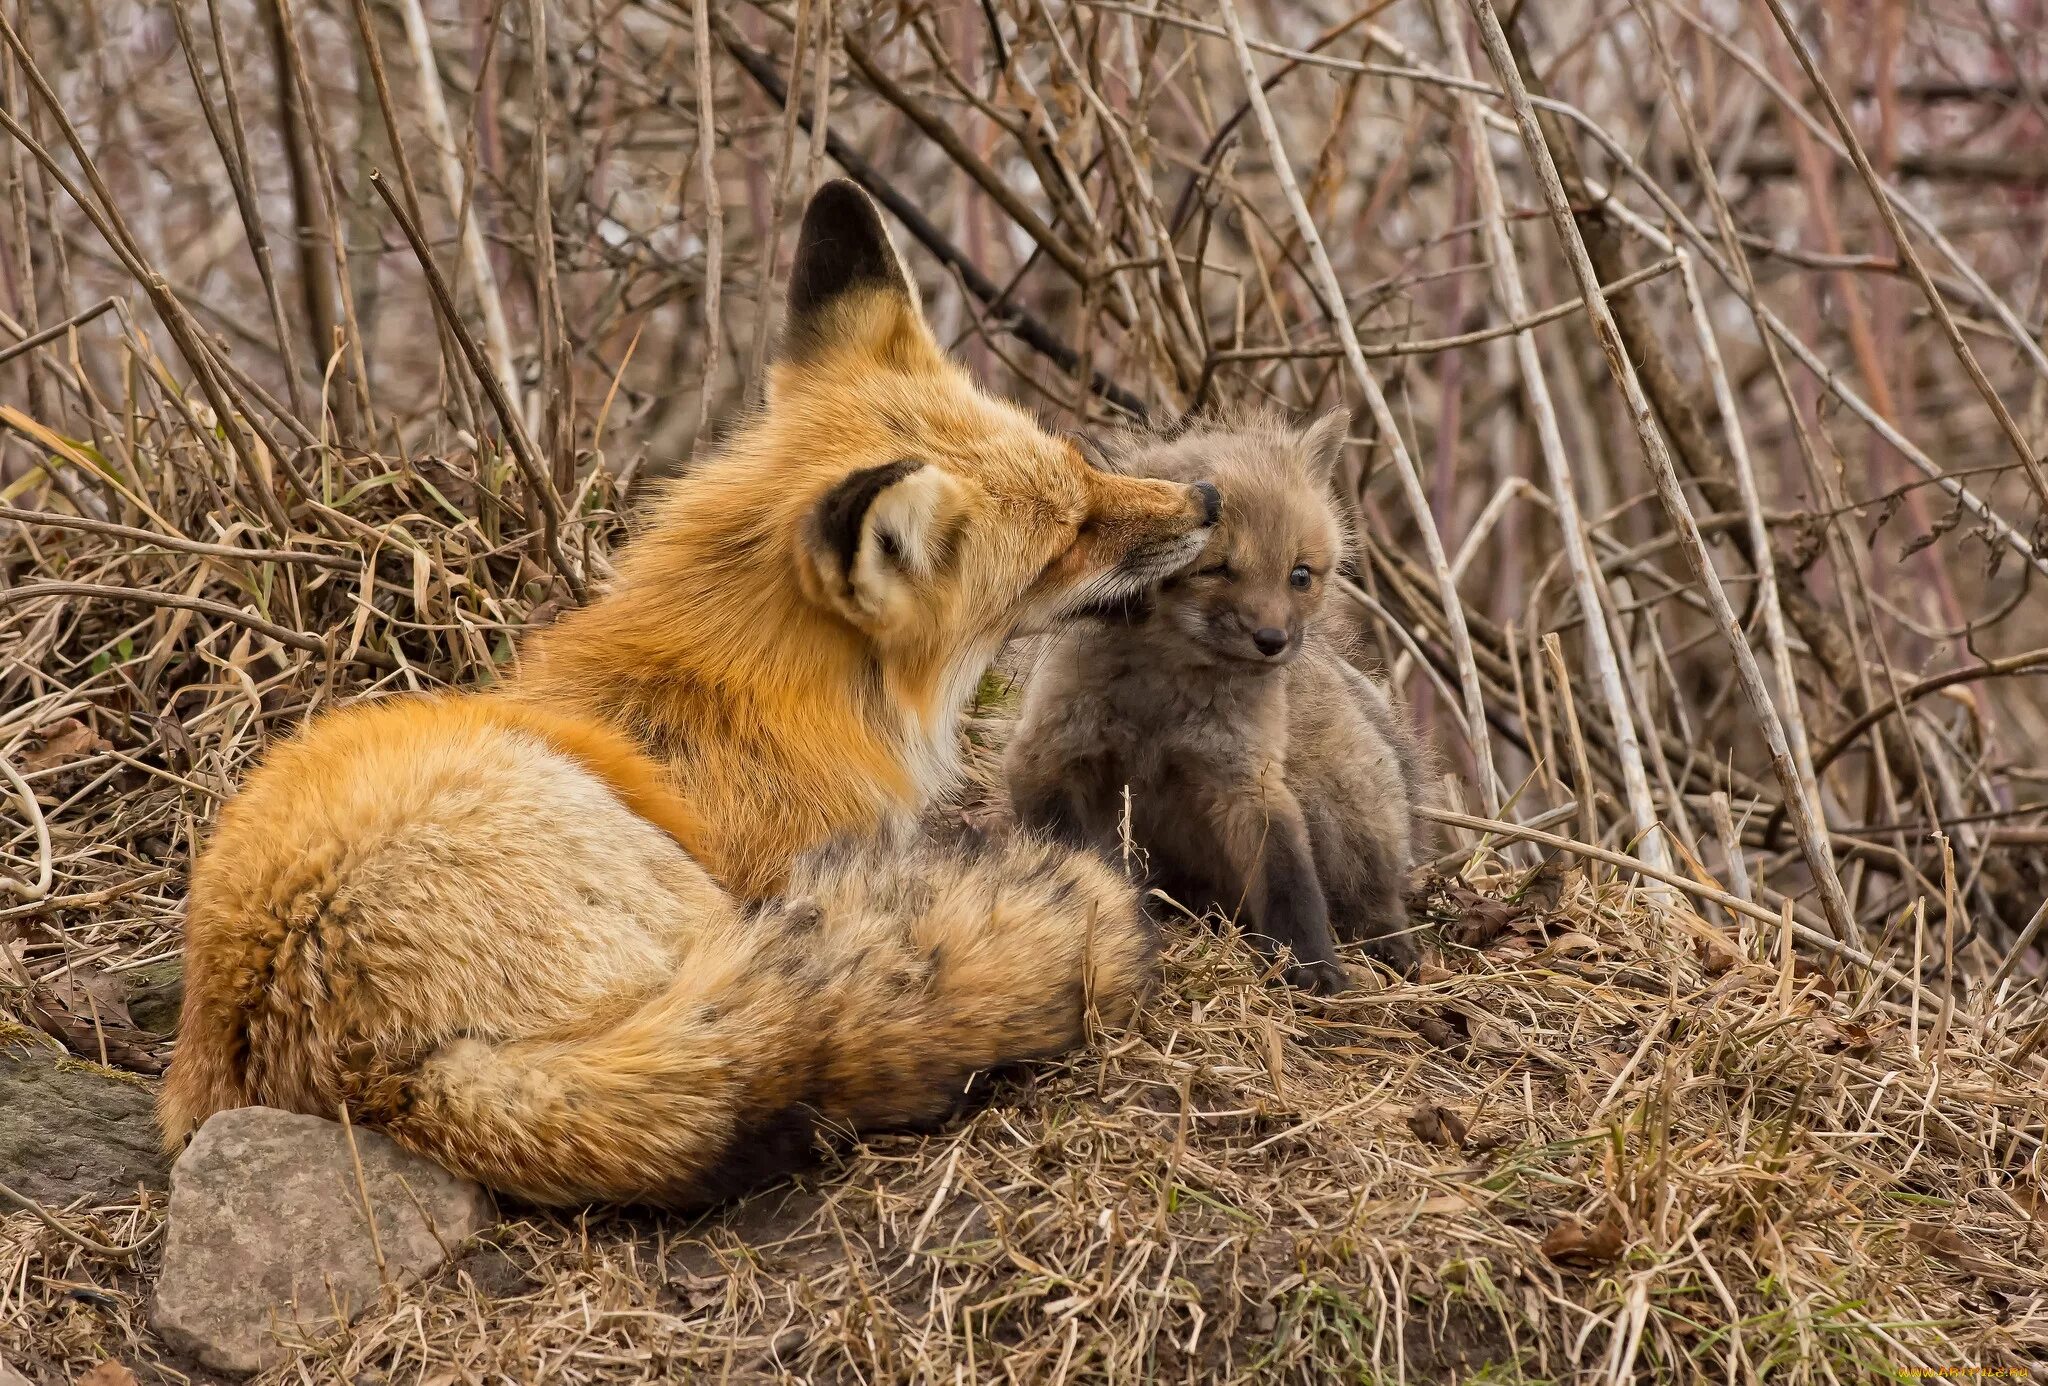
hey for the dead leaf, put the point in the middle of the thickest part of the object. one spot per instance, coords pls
(1436, 1125)
(1952, 1247)
(87, 991)
(1542, 888)
(1858, 1037)
(1429, 973)
(1572, 941)
(63, 741)
(108, 1373)
(86, 1011)
(179, 751)
(1451, 1204)
(1484, 920)
(1492, 1037)
(457, 485)
(1275, 1056)
(1942, 525)
(1804, 971)
(2031, 1200)
(1572, 1240)
(1717, 956)
(1446, 1030)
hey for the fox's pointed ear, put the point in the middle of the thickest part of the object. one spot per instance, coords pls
(876, 535)
(847, 284)
(1322, 443)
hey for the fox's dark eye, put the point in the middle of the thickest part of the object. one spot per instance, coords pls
(1215, 570)
(1299, 579)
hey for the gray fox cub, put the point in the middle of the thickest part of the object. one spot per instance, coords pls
(1268, 777)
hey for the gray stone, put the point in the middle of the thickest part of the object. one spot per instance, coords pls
(155, 993)
(71, 1130)
(268, 1233)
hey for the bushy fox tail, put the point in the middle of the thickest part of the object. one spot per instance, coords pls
(866, 998)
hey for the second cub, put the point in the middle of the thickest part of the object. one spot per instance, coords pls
(1267, 776)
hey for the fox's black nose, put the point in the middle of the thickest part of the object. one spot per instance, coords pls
(1270, 639)
(1212, 501)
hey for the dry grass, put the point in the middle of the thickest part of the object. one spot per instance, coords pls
(277, 472)
(1773, 1184)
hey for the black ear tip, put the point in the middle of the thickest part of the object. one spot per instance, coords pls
(839, 210)
(842, 246)
(838, 198)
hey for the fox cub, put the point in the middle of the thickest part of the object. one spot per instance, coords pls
(529, 932)
(1267, 776)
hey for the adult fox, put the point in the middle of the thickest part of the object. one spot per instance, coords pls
(527, 932)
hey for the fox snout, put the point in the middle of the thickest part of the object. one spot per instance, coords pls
(1133, 532)
(1153, 528)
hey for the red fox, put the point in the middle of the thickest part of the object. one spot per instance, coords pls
(1268, 777)
(528, 932)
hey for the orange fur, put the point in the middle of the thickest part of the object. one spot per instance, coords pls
(716, 621)
(515, 929)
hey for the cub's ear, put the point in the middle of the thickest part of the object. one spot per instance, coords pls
(1092, 451)
(846, 283)
(876, 535)
(1322, 443)
(1120, 451)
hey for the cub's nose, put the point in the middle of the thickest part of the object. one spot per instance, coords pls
(1270, 639)
(1211, 501)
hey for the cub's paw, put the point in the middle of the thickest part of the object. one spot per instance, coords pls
(1324, 977)
(1398, 951)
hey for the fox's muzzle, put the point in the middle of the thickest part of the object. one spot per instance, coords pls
(1141, 532)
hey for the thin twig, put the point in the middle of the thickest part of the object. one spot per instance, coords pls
(714, 220)
(1805, 820)
(1587, 577)
(178, 542)
(537, 477)
(1909, 255)
(1427, 346)
(283, 635)
(45, 866)
(51, 334)
(1022, 325)
(476, 260)
(90, 1245)
(1734, 904)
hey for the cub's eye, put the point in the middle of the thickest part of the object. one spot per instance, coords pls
(891, 550)
(1299, 579)
(1215, 570)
